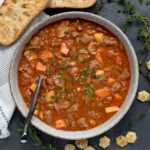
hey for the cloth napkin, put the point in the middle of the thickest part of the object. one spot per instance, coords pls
(7, 105)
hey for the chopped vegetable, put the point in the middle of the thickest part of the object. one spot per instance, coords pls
(102, 78)
(60, 92)
(91, 86)
(92, 122)
(50, 96)
(30, 55)
(48, 71)
(143, 96)
(92, 47)
(118, 96)
(99, 37)
(64, 50)
(54, 62)
(59, 79)
(60, 124)
(102, 92)
(40, 67)
(104, 142)
(131, 137)
(63, 31)
(36, 111)
(111, 81)
(88, 92)
(75, 56)
(99, 73)
(84, 73)
(98, 58)
(46, 54)
(85, 39)
(112, 109)
(78, 89)
(33, 87)
(93, 74)
(65, 68)
(121, 141)
(41, 115)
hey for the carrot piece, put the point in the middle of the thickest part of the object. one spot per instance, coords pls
(33, 87)
(46, 54)
(41, 115)
(99, 58)
(111, 81)
(92, 122)
(64, 50)
(36, 111)
(60, 124)
(111, 109)
(118, 96)
(102, 92)
(40, 67)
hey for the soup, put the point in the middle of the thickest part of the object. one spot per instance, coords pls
(86, 74)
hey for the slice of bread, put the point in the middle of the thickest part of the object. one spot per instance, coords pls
(15, 16)
(71, 3)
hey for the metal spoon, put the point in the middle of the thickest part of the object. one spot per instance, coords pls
(31, 111)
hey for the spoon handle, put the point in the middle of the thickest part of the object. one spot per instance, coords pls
(31, 111)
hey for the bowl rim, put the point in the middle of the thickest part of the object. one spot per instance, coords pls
(74, 135)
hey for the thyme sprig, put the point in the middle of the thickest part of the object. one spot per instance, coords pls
(99, 6)
(39, 142)
(34, 135)
(143, 33)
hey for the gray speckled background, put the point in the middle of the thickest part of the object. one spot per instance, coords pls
(142, 127)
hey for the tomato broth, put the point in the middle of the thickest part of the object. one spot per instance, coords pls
(86, 70)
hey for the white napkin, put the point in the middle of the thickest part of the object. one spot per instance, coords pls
(7, 105)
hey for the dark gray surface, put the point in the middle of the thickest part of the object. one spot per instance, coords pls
(142, 127)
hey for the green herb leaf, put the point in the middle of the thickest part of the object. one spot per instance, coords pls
(84, 73)
(88, 92)
(39, 142)
(142, 34)
(102, 78)
(93, 74)
(99, 6)
(91, 86)
(54, 62)
(59, 93)
(66, 32)
(49, 71)
(20, 130)
(75, 56)
(66, 67)
(141, 1)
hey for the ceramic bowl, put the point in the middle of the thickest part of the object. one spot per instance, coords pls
(72, 135)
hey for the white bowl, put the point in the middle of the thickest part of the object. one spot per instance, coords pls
(72, 135)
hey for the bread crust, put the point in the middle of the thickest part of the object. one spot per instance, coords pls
(71, 3)
(16, 15)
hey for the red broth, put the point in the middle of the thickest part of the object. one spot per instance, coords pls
(87, 74)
